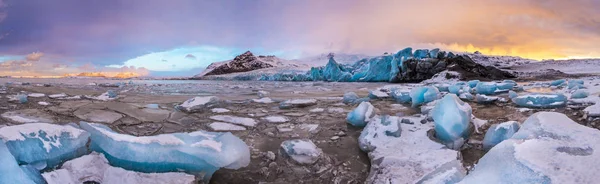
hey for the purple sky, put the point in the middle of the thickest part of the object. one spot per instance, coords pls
(72, 35)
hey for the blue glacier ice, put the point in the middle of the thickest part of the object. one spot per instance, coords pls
(505, 86)
(32, 173)
(376, 70)
(575, 83)
(402, 96)
(334, 72)
(10, 172)
(44, 145)
(466, 96)
(558, 82)
(484, 99)
(540, 100)
(350, 98)
(422, 95)
(421, 53)
(448, 173)
(361, 115)
(579, 94)
(196, 152)
(486, 88)
(442, 87)
(111, 93)
(499, 132)
(512, 94)
(455, 89)
(451, 117)
(473, 83)
(433, 53)
(510, 81)
(548, 148)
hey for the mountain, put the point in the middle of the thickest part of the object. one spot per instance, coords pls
(247, 62)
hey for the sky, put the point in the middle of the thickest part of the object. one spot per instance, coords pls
(181, 37)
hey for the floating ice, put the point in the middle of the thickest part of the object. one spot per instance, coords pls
(152, 106)
(20, 98)
(402, 96)
(466, 96)
(486, 88)
(379, 126)
(423, 95)
(264, 100)
(195, 152)
(378, 94)
(43, 144)
(249, 122)
(361, 115)
(451, 117)
(473, 83)
(483, 99)
(57, 96)
(350, 98)
(499, 132)
(541, 100)
(512, 94)
(95, 168)
(262, 94)
(108, 95)
(593, 111)
(558, 82)
(297, 103)
(505, 86)
(220, 126)
(10, 172)
(219, 110)
(455, 89)
(198, 103)
(575, 83)
(580, 93)
(276, 119)
(302, 151)
(548, 148)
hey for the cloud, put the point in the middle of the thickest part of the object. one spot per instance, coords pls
(34, 56)
(190, 56)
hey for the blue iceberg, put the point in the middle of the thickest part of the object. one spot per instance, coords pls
(421, 54)
(442, 87)
(499, 132)
(455, 89)
(423, 95)
(197, 152)
(473, 83)
(402, 96)
(575, 83)
(505, 86)
(512, 94)
(486, 88)
(540, 100)
(558, 82)
(484, 99)
(451, 117)
(361, 115)
(10, 172)
(44, 145)
(350, 98)
(579, 94)
(466, 96)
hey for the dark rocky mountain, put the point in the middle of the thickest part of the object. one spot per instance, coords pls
(241, 63)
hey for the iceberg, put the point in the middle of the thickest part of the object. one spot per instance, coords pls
(484, 99)
(466, 96)
(486, 88)
(455, 89)
(10, 172)
(378, 94)
(575, 83)
(379, 126)
(95, 168)
(499, 132)
(302, 151)
(20, 98)
(402, 96)
(423, 95)
(473, 83)
(334, 72)
(361, 115)
(421, 54)
(44, 145)
(198, 152)
(579, 94)
(505, 86)
(377, 69)
(539, 100)
(452, 118)
(512, 94)
(558, 82)
(548, 148)
(442, 87)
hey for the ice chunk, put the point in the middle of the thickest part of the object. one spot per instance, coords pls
(302, 151)
(455, 89)
(249, 122)
(264, 100)
(512, 94)
(10, 172)
(538, 100)
(36, 95)
(198, 103)
(152, 106)
(108, 95)
(276, 119)
(548, 148)
(593, 111)
(58, 96)
(297, 103)
(499, 132)
(378, 94)
(558, 82)
(20, 98)
(451, 172)
(442, 87)
(423, 95)
(483, 99)
(505, 86)
(473, 83)
(451, 117)
(466, 96)
(486, 88)
(44, 144)
(575, 83)
(402, 96)
(361, 115)
(95, 168)
(43, 103)
(219, 110)
(262, 94)
(220, 126)
(379, 126)
(195, 152)
(350, 97)
(580, 93)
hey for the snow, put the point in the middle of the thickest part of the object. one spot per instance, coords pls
(276, 119)
(36, 95)
(302, 151)
(485, 99)
(549, 148)
(220, 126)
(361, 114)
(95, 167)
(44, 143)
(593, 111)
(478, 123)
(209, 144)
(249, 122)
(379, 126)
(163, 139)
(219, 110)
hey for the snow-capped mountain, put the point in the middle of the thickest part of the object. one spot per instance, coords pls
(248, 62)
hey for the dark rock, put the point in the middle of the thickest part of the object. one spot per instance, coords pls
(242, 63)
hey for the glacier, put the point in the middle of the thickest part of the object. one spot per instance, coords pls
(548, 148)
(451, 117)
(44, 145)
(198, 152)
(499, 132)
